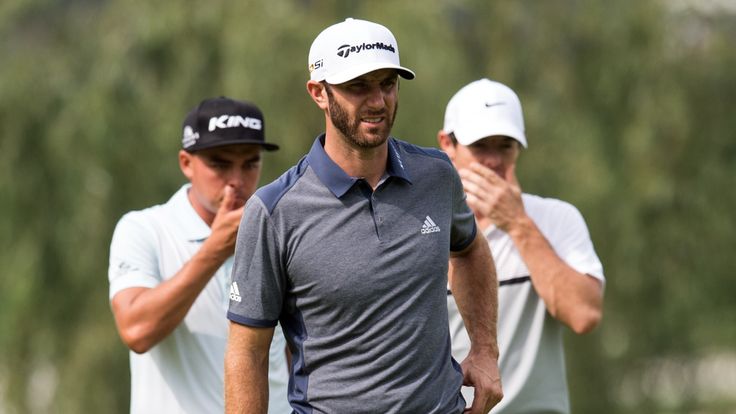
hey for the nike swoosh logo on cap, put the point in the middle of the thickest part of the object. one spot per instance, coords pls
(488, 105)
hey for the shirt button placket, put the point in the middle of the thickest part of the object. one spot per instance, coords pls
(377, 217)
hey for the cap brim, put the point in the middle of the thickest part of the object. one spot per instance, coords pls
(266, 145)
(355, 71)
(470, 135)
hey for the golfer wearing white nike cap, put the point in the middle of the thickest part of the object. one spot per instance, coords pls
(548, 272)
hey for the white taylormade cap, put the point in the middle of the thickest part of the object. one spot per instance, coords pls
(352, 48)
(484, 108)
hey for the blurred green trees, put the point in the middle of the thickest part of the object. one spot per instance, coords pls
(628, 107)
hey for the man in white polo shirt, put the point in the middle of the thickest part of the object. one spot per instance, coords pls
(548, 271)
(170, 268)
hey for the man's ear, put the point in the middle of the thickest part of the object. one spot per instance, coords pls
(318, 93)
(446, 144)
(185, 164)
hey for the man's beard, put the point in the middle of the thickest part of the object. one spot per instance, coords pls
(341, 120)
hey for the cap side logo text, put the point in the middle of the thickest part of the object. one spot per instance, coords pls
(316, 65)
(189, 137)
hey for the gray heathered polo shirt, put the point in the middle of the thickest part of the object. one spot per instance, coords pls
(358, 280)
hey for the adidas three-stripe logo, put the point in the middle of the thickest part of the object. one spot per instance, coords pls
(429, 226)
(235, 292)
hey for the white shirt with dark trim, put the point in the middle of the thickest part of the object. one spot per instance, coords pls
(184, 372)
(358, 280)
(532, 360)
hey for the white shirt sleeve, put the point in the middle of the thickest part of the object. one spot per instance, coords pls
(565, 229)
(133, 255)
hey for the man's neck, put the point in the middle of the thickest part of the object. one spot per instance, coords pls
(366, 163)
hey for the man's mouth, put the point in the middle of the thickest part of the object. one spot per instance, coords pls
(372, 120)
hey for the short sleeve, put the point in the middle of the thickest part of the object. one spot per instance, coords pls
(258, 277)
(463, 221)
(571, 241)
(133, 255)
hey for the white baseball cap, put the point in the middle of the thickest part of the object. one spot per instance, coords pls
(484, 108)
(352, 48)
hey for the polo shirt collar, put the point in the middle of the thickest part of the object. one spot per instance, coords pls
(395, 167)
(192, 226)
(334, 178)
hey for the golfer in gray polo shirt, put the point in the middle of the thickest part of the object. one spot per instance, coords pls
(349, 250)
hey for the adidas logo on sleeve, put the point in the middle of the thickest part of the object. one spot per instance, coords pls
(235, 292)
(429, 226)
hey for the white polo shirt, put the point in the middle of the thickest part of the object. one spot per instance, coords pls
(184, 372)
(532, 360)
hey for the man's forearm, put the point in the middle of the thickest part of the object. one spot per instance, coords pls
(475, 287)
(246, 369)
(572, 297)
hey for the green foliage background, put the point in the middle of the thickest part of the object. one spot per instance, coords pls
(629, 112)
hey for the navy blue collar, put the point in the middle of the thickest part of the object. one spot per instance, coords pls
(334, 178)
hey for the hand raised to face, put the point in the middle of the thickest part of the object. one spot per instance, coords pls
(491, 196)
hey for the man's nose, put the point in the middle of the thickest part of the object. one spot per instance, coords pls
(236, 178)
(492, 159)
(376, 97)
